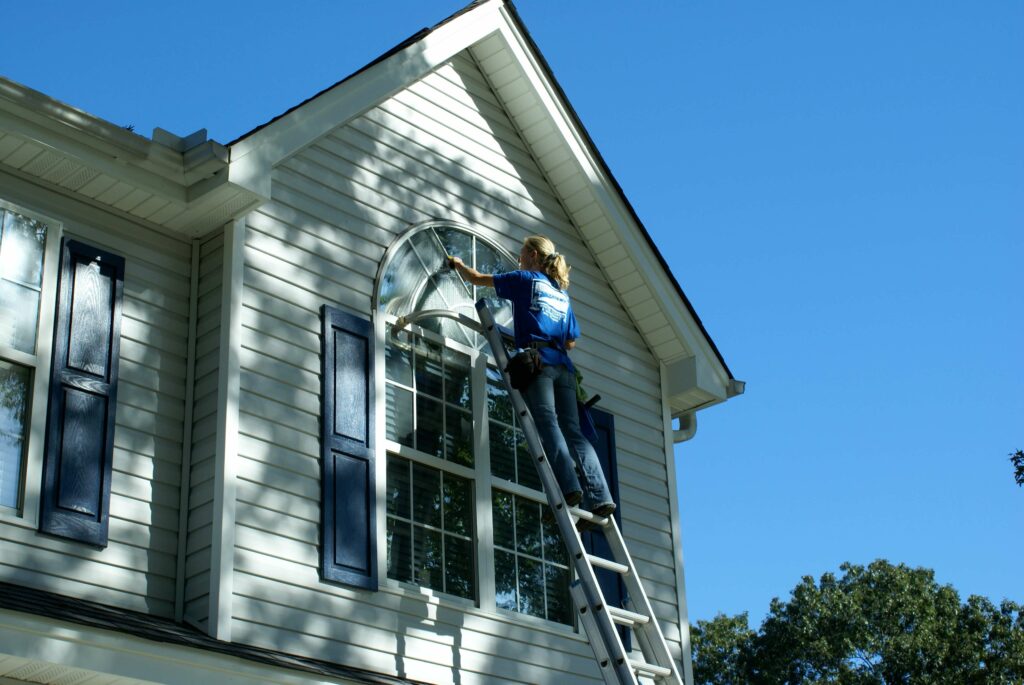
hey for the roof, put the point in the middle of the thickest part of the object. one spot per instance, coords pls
(40, 603)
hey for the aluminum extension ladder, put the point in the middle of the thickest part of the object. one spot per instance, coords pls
(598, 619)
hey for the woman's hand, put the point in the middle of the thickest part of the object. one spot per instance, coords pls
(469, 273)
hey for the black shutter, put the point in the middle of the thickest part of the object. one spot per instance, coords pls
(348, 513)
(83, 395)
(594, 542)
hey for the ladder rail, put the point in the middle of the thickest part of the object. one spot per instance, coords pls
(598, 619)
(608, 648)
(650, 632)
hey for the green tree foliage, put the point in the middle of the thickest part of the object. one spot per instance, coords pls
(1017, 459)
(883, 624)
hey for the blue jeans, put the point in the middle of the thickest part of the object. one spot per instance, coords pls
(551, 399)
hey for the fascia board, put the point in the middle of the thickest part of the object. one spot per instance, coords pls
(71, 144)
(648, 267)
(17, 97)
(253, 158)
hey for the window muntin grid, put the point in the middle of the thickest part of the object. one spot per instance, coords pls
(430, 532)
(429, 397)
(428, 388)
(416, 278)
(531, 564)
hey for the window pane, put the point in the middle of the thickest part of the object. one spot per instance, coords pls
(526, 470)
(457, 379)
(556, 584)
(427, 558)
(499, 406)
(426, 495)
(428, 368)
(459, 436)
(429, 426)
(505, 580)
(503, 515)
(398, 415)
(398, 358)
(14, 386)
(503, 446)
(19, 313)
(457, 243)
(528, 527)
(398, 286)
(554, 546)
(21, 249)
(399, 550)
(531, 587)
(399, 491)
(459, 569)
(458, 505)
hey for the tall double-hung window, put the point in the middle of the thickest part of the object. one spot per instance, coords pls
(463, 502)
(23, 240)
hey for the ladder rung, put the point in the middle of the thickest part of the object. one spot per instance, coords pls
(650, 669)
(627, 618)
(587, 516)
(601, 562)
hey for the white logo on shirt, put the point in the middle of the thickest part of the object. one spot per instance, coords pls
(549, 300)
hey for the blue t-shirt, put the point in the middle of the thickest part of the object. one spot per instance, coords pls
(541, 312)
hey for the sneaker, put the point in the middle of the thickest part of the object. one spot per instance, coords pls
(603, 510)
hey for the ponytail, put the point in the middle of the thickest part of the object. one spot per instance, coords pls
(552, 263)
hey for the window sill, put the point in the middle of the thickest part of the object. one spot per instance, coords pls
(427, 596)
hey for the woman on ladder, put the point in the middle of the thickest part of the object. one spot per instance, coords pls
(543, 319)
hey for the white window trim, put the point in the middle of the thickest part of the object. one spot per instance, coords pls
(27, 513)
(484, 482)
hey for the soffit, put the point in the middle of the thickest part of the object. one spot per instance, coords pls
(171, 183)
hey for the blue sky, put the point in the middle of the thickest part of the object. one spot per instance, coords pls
(839, 188)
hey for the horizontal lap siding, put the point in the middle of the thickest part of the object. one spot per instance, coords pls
(442, 149)
(136, 570)
(204, 430)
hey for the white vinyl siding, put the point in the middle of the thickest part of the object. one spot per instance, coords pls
(444, 149)
(137, 568)
(204, 430)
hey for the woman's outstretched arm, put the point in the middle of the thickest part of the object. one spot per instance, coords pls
(471, 274)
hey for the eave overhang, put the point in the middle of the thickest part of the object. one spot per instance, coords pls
(178, 185)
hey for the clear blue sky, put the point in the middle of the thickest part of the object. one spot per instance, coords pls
(839, 188)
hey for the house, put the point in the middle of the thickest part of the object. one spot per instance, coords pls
(220, 463)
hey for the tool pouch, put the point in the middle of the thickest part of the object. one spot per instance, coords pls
(523, 368)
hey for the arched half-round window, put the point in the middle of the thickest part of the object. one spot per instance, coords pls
(415, 278)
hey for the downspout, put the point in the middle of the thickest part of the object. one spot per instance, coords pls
(687, 426)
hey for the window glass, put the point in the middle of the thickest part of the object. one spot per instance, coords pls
(431, 369)
(417, 279)
(430, 536)
(22, 242)
(429, 398)
(510, 457)
(14, 388)
(531, 565)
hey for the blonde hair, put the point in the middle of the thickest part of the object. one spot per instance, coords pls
(551, 263)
